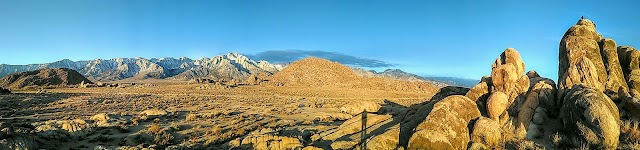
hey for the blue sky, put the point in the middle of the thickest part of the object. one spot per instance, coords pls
(446, 38)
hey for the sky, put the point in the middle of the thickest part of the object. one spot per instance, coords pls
(435, 38)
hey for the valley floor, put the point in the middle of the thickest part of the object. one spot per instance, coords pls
(193, 116)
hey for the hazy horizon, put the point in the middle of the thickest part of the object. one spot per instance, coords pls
(425, 38)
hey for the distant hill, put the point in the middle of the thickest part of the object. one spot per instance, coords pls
(231, 65)
(317, 72)
(401, 75)
(454, 81)
(43, 77)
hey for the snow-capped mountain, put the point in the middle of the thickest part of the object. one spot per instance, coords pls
(229, 66)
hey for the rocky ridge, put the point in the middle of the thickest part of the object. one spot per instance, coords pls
(58, 77)
(231, 65)
(398, 74)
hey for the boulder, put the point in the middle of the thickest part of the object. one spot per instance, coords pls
(544, 89)
(589, 116)
(532, 74)
(486, 131)
(386, 141)
(416, 114)
(76, 127)
(344, 145)
(311, 148)
(615, 76)
(152, 113)
(105, 120)
(583, 72)
(504, 77)
(479, 92)
(358, 107)
(510, 56)
(446, 125)
(517, 94)
(628, 56)
(497, 104)
(631, 104)
(100, 117)
(541, 92)
(354, 125)
(508, 76)
(266, 142)
(634, 80)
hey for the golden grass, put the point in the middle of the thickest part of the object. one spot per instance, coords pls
(630, 132)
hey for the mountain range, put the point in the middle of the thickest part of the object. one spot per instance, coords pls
(228, 66)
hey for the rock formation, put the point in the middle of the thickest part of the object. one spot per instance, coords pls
(355, 108)
(446, 125)
(615, 76)
(586, 57)
(591, 117)
(578, 43)
(487, 131)
(497, 104)
(510, 98)
(45, 77)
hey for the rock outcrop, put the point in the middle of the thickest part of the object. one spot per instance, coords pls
(480, 92)
(582, 72)
(388, 140)
(152, 114)
(77, 127)
(591, 117)
(508, 93)
(630, 64)
(486, 131)
(358, 107)
(271, 142)
(446, 125)
(615, 76)
(579, 42)
(58, 77)
(585, 57)
(353, 125)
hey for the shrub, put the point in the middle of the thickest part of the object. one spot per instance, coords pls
(154, 129)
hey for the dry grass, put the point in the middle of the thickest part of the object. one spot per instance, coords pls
(160, 135)
(559, 141)
(630, 131)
